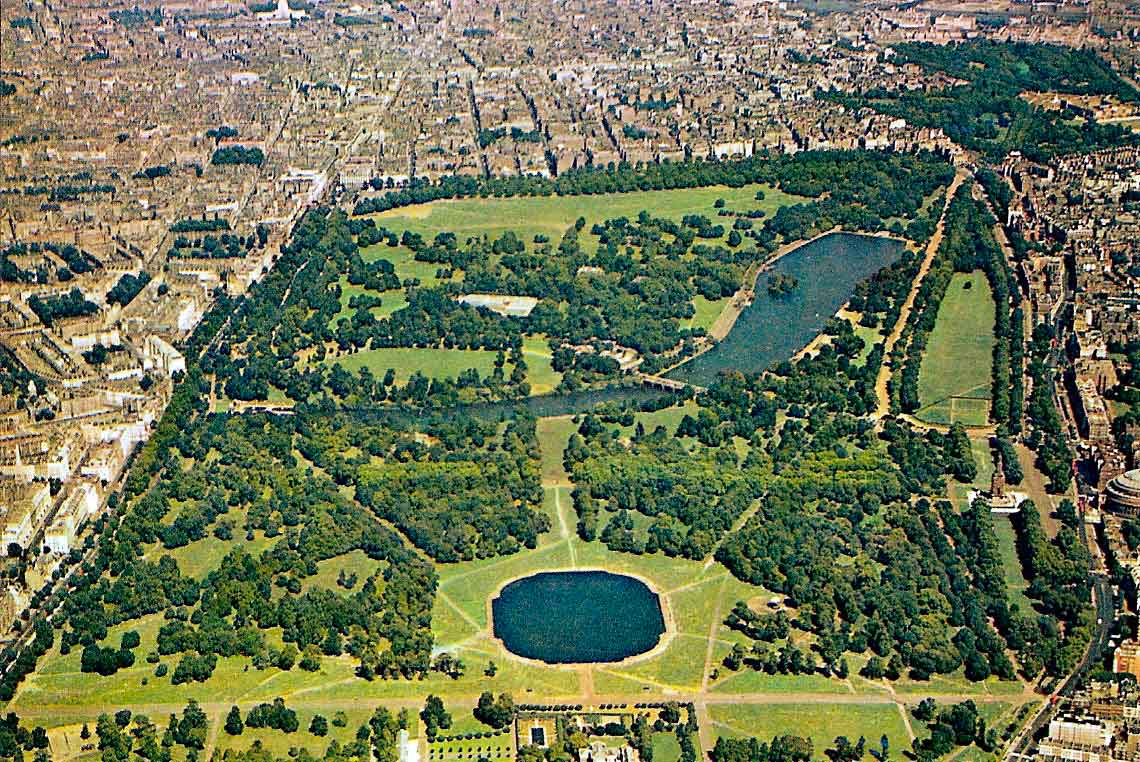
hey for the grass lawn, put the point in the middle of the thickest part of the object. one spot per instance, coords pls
(553, 434)
(446, 363)
(552, 215)
(403, 259)
(751, 681)
(279, 743)
(201, 557)
(980, 446)
(669, 417)
(353, 562)
(820, 722)
(955, 683)
(558, 506)
(543, 378)
(1015, 582)
(954, 383)
(666, 748)
(433, 363)
(706, 312)
(870, 337)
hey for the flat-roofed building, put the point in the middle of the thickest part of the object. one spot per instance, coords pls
(23, 507)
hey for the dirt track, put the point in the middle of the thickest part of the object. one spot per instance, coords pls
(883, 405)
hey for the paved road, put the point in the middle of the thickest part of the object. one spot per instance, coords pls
(299, 701)
(1102, 593)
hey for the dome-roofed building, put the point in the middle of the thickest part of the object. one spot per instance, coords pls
(1123, 494)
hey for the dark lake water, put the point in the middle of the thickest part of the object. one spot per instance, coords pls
(541, 406)
(577, 617)
(773, 329)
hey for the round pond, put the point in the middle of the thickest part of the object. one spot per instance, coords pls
(577, 617)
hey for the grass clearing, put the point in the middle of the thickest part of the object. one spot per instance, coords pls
(870, 337)
(404, 261)
(751, 681)
(444, 363)
(706, 311)
(819, 721)
(669, 417)
(551, 215)
(200, 557)
(354, 562)
(541, 375)
(433, 363)
(1015, 581)
(954, 383)
(553, 434)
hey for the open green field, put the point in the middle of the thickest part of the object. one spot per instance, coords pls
(666, 748)
(403, 259)
(1015, 581)
(954, 383)
(551, 215)
(199, 558)
(433, 363)
(821, 722)
(705, 312)
(542, 377)
(441, 363)
(553, 433)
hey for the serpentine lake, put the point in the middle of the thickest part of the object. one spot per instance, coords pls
(774, 328)
(577, 617)
(771, 329)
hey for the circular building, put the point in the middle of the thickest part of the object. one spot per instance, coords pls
(1122, 495)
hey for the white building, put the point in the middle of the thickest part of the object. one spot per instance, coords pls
(80, 505)
(23, 508)
(159, 355)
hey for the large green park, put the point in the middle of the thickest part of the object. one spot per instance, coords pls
(697, 593)
(344, 555)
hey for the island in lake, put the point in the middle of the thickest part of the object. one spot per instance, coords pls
(782, 284)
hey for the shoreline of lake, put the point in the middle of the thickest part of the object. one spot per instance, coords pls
(776, 327)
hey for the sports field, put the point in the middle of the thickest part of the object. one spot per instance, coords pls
(954, 383)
